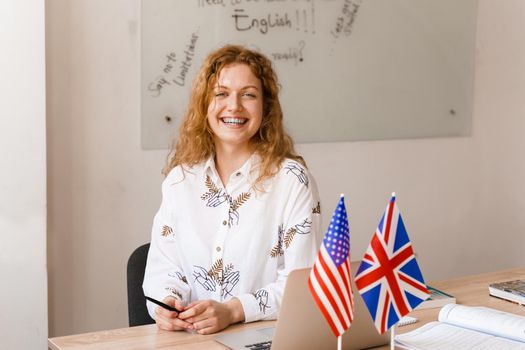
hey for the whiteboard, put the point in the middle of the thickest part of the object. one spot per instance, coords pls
(348, 69)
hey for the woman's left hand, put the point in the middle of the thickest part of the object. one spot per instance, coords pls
(210, 316)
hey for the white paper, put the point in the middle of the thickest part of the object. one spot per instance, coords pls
(485, 320)
(468, 328)
(442, 336)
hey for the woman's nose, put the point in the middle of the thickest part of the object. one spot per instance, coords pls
(234, 102)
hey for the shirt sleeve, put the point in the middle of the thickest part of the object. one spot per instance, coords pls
(300, 238)
(163, 275)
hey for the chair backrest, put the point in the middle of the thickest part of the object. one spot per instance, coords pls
(137, 311)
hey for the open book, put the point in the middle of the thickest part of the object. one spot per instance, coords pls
(464, 327)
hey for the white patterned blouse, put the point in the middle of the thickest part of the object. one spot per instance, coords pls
(214, 242)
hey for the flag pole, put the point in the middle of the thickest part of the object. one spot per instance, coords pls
(340, 337)
(393, 331)
(392, 336)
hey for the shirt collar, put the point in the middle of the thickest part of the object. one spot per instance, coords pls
(210, 169)
(248, 169)
(251, 165)
(209, 165)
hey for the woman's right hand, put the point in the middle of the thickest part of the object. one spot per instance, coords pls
(169, 320)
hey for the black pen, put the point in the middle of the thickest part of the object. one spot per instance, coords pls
(160, 303)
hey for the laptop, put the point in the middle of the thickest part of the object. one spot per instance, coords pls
(302, 326)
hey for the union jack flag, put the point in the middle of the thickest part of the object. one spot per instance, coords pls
(389, 278)
(329, 280)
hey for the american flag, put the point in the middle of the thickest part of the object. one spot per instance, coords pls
(389, 278)
(329, 280)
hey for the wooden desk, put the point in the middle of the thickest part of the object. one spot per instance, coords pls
(471, 290)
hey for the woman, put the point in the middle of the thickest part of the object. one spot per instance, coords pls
(239, 209)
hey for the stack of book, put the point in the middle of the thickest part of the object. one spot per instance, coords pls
(510, 290)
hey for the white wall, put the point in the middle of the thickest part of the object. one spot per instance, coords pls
(23, 292)
(462, 198)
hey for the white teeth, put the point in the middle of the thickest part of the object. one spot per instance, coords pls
(238, 121)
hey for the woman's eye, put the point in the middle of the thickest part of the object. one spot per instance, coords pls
(220, 94)
(249, 94)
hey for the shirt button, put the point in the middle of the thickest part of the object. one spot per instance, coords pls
(218, 249)
(238, 174)
(224, 222)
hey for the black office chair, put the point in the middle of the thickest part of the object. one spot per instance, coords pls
(137, 311)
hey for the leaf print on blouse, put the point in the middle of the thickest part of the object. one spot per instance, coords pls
(215, 271)
(180, 276)
(174, 292)
(215, 196)
(217, 275)
(298, 171)
(317, 209)
(166, 231)
(288, 238)
(233, 214)
(302, 228)
(277, 249)
(262, 297)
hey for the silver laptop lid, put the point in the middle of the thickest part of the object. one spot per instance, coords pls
(302, 326)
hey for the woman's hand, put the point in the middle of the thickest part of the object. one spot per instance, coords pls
(169, 320)
(210, 316)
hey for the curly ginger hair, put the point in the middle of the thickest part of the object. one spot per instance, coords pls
(195, 143)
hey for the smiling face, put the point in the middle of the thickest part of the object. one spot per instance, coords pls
(236, 109)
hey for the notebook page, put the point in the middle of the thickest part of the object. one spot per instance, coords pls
(442, 336)
(486, 320)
